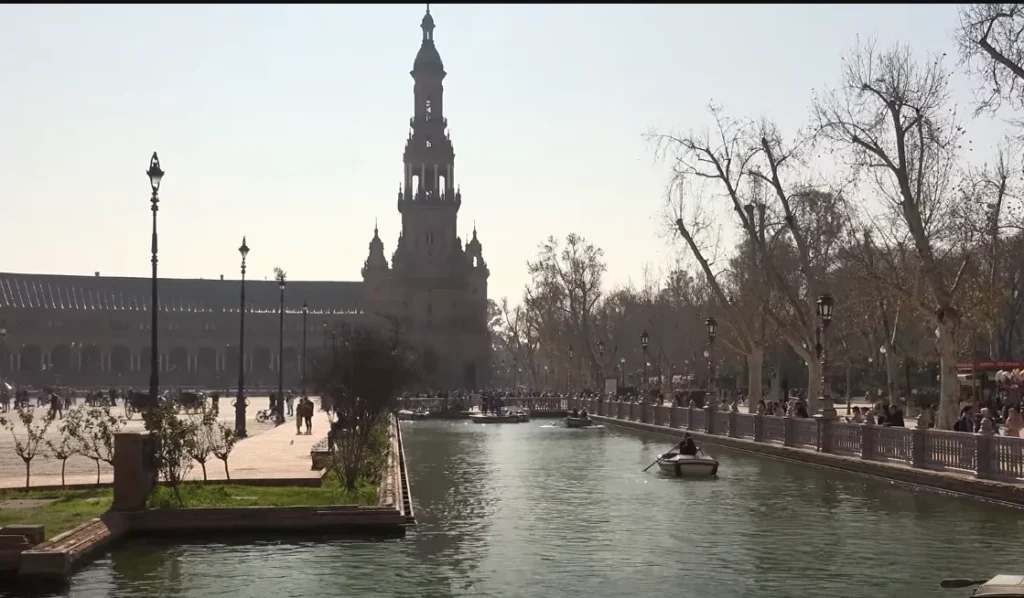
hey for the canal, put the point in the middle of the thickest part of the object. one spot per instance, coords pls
(535, 510)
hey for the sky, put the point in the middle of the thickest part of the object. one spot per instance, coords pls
(287, 124)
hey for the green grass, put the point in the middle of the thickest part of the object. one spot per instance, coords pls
(70, 509)
(197, 495)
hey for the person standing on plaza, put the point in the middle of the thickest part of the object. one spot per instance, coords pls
(1014, 422)
(290, 402)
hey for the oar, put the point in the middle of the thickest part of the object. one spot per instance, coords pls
(961, 583)
(656, 461)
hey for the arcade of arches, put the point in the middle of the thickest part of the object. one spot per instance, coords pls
(120, 365)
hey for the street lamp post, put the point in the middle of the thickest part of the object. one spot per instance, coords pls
(600, 357)
(568, 384)
(155, 175)
(305, 312)
(712, 325)
(825, 306)
(644, 339)
(280, 350)
(325, 336)
(240, 399)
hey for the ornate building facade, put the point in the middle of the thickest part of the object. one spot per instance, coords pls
(95, 330)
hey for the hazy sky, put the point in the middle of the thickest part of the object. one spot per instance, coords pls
(287, 123)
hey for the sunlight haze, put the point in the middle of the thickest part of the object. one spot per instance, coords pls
(287, 124)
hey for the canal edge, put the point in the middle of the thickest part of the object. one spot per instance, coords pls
(993, 492)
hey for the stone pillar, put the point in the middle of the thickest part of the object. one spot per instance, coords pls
(984, 447)
(734, 421)
(689, 415)
(787, 431)
(659, 415)
(867, 440)
(918, 447)
(709, 420)
(758, 427)
(645, 413)
(675, 414)
(134, 471)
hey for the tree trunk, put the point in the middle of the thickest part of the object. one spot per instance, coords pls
(813, 386)
(890, 375)
(97, 471)
(755, 363)
(949, 384)
(203, 465)
(226, 472)
(28, 473)
(63, 467)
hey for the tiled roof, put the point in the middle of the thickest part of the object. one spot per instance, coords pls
(113, 293)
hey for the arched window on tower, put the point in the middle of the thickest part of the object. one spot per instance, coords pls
(429, 144)
(428, 110)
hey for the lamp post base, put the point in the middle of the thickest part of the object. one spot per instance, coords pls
(826, 409)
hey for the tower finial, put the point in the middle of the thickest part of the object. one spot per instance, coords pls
(428, 8)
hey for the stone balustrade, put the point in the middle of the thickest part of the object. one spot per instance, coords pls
(985, 455)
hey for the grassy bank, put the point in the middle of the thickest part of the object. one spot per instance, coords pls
(64, 509)
(61, 510)
(198, 495)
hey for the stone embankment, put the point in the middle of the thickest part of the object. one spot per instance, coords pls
(982, 465)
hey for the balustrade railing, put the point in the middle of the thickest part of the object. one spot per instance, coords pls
(984, 455)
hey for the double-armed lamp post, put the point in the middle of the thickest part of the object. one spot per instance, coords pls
(305, 312)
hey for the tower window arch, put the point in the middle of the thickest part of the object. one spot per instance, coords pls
(428, 109)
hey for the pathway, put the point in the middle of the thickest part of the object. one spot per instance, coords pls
(269, 452)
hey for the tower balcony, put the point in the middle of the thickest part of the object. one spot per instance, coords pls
(430, 197)
(413, 122)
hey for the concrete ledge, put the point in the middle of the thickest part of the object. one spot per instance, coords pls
(945, 481)
(248, 519)
(65, 553)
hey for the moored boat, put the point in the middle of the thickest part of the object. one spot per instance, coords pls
(406, 415)
(523, 415)
(689, 466)
(505, 418)
(578, 422)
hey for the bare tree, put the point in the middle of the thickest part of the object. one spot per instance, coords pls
(990, 39)
(891, 120)
(363, 378)
(742, 159)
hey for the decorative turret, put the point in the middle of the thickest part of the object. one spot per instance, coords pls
(475, 253)
(376, 264)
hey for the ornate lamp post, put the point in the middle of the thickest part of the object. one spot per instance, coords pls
(644, 339)
(825, 306)
(568, 384)
(305, 312)
(280, 350)
(600, 358)
(155, 175)
(240, 399)
(712, 325)
(622, 369)
(325, 336)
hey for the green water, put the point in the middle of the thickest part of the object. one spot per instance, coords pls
(533, 510)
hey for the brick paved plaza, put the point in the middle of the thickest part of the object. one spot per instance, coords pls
(268, 452)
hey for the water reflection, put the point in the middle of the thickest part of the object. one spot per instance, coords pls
(529, 510)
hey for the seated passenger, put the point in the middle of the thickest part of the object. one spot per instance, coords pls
(583, 414)
(575, 412)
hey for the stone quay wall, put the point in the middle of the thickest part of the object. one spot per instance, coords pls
(983, 465)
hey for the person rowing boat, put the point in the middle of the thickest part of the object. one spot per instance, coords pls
(686, 447)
